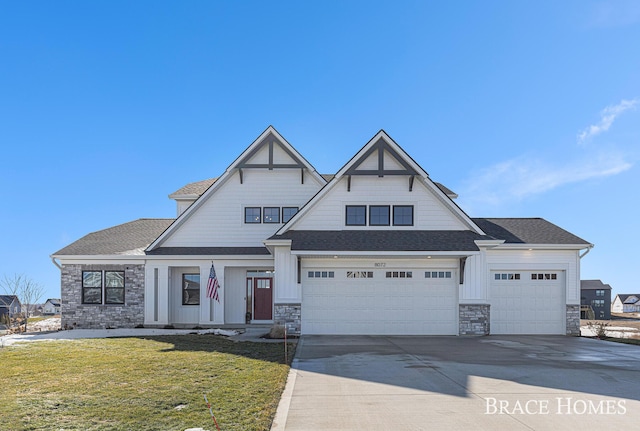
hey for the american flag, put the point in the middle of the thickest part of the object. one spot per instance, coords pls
(212, 285)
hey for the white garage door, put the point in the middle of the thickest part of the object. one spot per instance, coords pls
(527, 302)
(397, 302)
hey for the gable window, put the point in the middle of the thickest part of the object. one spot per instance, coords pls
(190, 289)
(379, 215)
(288, 212)
(114, 287)
(272, 215)
(356, 215)
(252, 215)
(403, 215)
(92, 287)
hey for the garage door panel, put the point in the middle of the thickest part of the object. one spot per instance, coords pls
(380, 305)
(528, 306)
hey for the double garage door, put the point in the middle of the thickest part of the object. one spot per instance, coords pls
(380, 301)
(527, 302)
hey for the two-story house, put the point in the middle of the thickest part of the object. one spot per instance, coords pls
(376, 248)
(595, 300)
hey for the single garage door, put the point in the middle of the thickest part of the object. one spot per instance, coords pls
(527, 302)
(379, 302)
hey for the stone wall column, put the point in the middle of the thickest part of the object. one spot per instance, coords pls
(573, 320)
(288, 315)
(474, 319)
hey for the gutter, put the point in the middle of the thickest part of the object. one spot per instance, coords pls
(587, 251)
(53, 259)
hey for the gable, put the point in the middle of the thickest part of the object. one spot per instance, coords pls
(270, 173)
(382, 174)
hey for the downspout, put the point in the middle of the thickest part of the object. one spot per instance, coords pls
(53, 259)
(586, 251)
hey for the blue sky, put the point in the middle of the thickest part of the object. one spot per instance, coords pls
(525, 109)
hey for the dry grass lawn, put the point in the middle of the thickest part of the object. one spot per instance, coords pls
(154, 383)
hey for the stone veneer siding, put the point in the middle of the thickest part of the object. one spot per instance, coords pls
(75, 314)
(288, 315)
(473, 319)
(573, 320)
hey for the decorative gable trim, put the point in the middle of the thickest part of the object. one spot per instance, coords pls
(382, 143)
(269, 137)
(270, 141)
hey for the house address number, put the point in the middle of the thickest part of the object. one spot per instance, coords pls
(380, 264)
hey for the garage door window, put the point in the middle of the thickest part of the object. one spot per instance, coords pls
(437, 274)
(506, 276)
(320, 274)
(546, 276)
(359, 274)
(399, 274)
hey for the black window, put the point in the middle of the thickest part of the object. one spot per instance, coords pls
(379, 215)
(288, 212)
(356, 215)
(92, 287)
(272, 215)
(190, 289)
(252, 215)
(403, 215)
(114, 287)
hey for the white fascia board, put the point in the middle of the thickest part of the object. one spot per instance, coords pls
(271, 243)
(488, 243)
(355, 254)
(148, 258)
(545, 246)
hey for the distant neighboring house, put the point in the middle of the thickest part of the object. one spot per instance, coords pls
(626, 303)
(51, 306)
(10, 305)
(595, 296)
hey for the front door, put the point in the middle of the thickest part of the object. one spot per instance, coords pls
(263, 298)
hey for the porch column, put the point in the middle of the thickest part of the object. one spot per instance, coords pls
(156, 295)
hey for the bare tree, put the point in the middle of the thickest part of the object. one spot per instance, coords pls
(28, 292)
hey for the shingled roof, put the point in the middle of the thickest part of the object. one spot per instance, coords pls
(512, 231)
(527, 231)
(126, 239)
(594, 284)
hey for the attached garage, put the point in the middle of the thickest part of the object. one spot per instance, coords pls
(527, 302)
(399, 301)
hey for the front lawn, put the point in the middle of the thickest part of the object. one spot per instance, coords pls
(137, 383)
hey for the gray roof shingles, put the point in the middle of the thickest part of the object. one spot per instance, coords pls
(593, 284)
(127, 239)
(527, 231)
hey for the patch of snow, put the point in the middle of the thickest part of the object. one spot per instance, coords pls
(611, 331)
(75, 334)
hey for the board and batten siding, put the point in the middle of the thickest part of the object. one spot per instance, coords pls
(219, 222)
(287, 288)
(429, 212)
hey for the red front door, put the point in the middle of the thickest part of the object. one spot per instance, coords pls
(263, 298)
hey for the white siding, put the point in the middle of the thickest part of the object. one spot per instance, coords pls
(235, 298)
(219, 221)
(430, 213)
(287, 289)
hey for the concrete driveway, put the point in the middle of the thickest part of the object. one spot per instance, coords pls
(461, 383)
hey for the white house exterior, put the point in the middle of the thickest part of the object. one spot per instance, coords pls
(51, 306)
(626, 303)
(377, 248)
